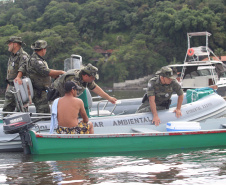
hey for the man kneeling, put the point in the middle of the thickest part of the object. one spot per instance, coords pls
(68, 109)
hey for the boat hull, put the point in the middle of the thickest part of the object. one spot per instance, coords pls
(48, 144)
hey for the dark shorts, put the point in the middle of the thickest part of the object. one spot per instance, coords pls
(82, 128)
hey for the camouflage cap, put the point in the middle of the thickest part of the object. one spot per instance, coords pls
(14, 39)
(39, 44)
(167, 72)
(91, 70)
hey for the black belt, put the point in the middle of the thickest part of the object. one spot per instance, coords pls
(166, 104)
(10, 83)
(39, 89)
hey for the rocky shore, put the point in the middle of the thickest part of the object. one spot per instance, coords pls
(136, 84)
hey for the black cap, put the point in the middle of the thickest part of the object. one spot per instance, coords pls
(69, 85)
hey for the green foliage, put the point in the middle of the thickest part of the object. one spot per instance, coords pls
(143, 34)
(9, 30)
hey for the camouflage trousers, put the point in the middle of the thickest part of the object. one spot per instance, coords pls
(9, 103)
(145, 107)
(41, 102)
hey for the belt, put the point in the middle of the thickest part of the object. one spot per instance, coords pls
(10, 83)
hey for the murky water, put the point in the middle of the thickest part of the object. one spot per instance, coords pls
(176, 167)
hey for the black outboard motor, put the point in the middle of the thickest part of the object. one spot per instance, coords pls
(19, 123)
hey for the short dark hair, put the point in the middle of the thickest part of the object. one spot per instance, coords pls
(69, 85)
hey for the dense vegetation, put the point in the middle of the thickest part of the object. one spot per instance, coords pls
(144, 34)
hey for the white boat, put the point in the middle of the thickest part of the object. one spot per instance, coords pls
(201, 67)
(209, 106)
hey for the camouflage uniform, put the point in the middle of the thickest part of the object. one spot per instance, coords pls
(76, 76)
(16, 63)
(38, 72)
(162, 92)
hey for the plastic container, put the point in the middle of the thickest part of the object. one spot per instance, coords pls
(182, 126)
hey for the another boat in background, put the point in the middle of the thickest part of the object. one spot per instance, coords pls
(201, 67)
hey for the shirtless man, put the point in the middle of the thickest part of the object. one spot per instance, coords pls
(67, 113)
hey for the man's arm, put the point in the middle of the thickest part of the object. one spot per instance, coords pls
(104, 95)
(18, 78)
(152, 103)
(82, 112)
(7, 87)
(55, 73)
(22, 68)
(179, 103)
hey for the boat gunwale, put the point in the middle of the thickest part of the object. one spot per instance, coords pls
(112, 135)
(197, 63)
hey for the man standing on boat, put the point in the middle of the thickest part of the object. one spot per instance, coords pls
(85, 79)
(40, 75)
(15, 71)
(159, 92)
(65, 112)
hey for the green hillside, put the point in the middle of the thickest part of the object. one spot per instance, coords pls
(143, 34)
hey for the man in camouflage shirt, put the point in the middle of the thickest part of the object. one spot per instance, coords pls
(85, 79)
(159, 92)
(40, 75)
(16, 69)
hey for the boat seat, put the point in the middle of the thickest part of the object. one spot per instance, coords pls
(143, 130)
(98, 112)
(101, 113)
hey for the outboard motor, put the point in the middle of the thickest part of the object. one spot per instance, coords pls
(19, 123)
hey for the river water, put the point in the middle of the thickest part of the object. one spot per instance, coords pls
(174, 167)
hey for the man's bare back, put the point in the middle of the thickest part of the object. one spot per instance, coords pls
(68, 109)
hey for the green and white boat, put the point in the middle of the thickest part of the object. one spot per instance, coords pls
(173, 135)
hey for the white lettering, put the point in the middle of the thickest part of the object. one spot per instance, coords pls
(208, 105)
(16, 120)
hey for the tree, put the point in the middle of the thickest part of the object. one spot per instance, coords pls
(219, 52)
(9, 30)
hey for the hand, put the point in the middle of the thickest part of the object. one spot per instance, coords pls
(62, 72)
(178, 113)
(55, 77)
(156, 120)
(112, 100)
(18, 80)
